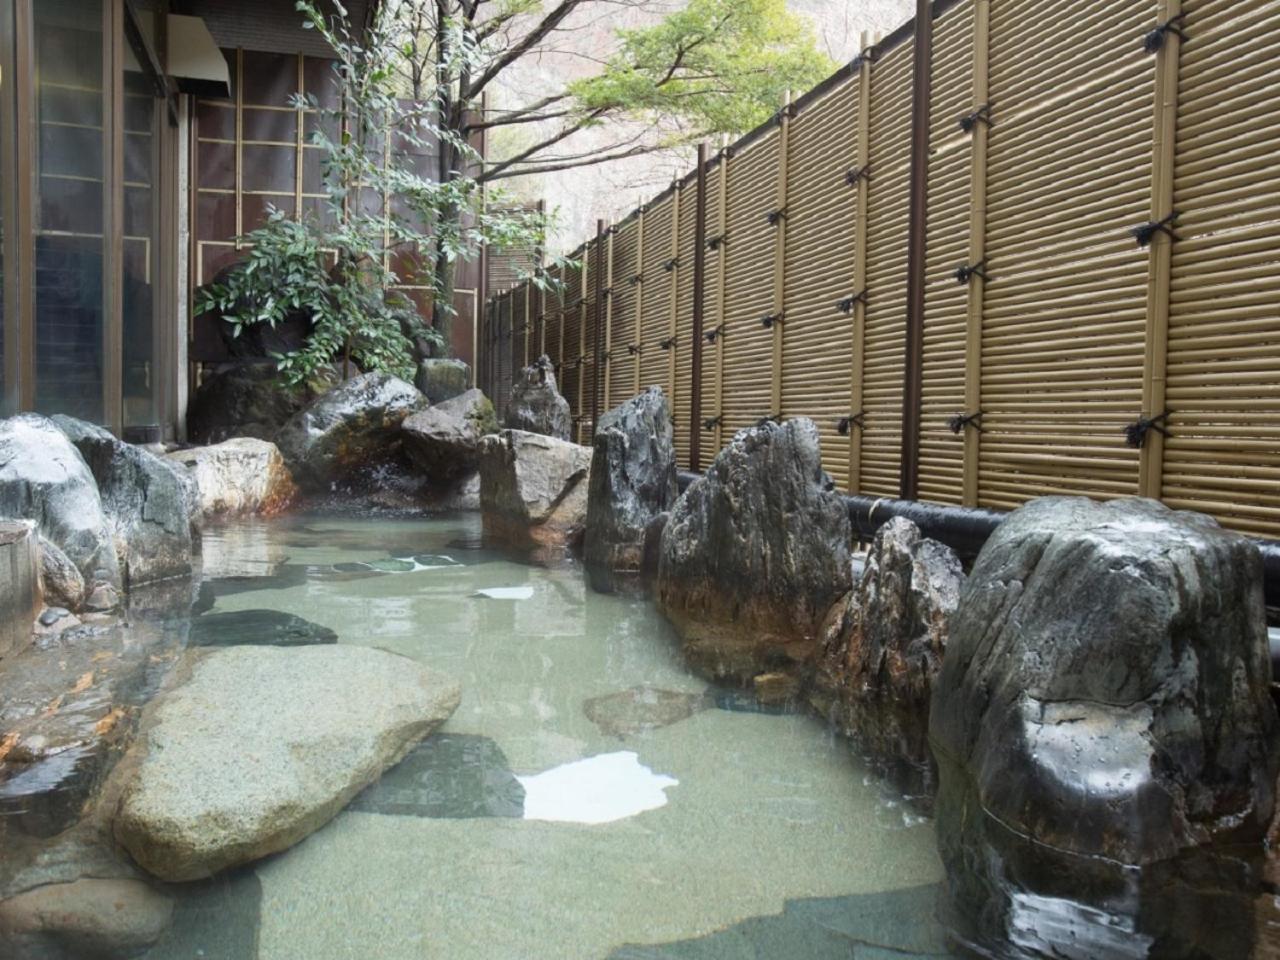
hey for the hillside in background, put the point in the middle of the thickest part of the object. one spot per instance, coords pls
(612, 190)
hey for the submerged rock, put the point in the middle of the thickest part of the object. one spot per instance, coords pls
(642, 708)
(273, 628)
(533, 492)
(754, 555)
(147, 501)
(450, 775)
(238, 477)
(536, 405)
(44, 478)
(258, 747)
(350, 433)
(442, 378)
(1103, 704)
(633, 480)
(86, 919)
(883, 647)
(20, 594)
(443, 441)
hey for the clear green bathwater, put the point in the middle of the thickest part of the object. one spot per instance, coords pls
(696, 827)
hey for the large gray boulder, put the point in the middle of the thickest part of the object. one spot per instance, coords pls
(633, 480)
(442, 378)
(755, 554)
(238, 477)
(443, 441)
(1103, 704)
(146, 498)
(260, 746)
(44, 478)
(883, 645)
(536, 405)
(349, 433)
(533, 492)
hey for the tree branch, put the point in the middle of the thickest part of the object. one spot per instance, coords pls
(586, 160)
(530, 40)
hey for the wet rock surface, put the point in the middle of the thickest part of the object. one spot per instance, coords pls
(536, 406)
(242, 400)
(147, 501)
(633, 480)
(44, 478)
(86, 919)
(256, 747)
(20, 594)
(882, 649)
(271, 628)
(449, 775)
(533, 492)
(443, 441)
(442, 378)
(754, 555)
(350, 435)
(237, 477)
(63, 583)
(1103, 705)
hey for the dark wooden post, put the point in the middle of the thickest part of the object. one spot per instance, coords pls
(597, 356)
(909, 476)
(699, 285)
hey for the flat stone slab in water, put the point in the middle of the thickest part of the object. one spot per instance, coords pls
(214, 920)
(273, 628)
(260, 746)
(642, 708)
(450, 775)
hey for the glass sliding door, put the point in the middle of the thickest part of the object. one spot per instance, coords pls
(70, 208)
(8, 202)
(139, 270)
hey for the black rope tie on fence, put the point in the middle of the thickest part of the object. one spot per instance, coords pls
(1144, 233)
(845, 424)
(1154, 41)
(775, 217)
(962, 420)
(966, 272)
(638, 278)
(1135, 434)
(971, 120)
(716, 331)
(634, 348)
(607, 293)
(770, 319)
(771, 418)
(720, 239)
(710, 422)
(846, 305)
(852, 177)
(668, 343)
(671, 264)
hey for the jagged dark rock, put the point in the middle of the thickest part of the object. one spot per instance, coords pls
(443, 441)
(44, 478)
(755, 553)
(882, 650)
(1103, 704)
(147, 500)
(350, 434)
(533, 492)
(442, 378)
(633, 480)
(536, 405)
(242, 400)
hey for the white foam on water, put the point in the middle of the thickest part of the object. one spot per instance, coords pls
(599, 789)
(506, 593)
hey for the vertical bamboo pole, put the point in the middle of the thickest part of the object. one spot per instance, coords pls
(977, 251)
(299, 140)
(673, 305)
(588, 265)
(608, 319)
(699, 289)
(779, 259)
(722, 262)
(240, 145)
(863, 205)
(596, 340)
(528, 321)
(113, 222)
(639, 299)
(1155, 354)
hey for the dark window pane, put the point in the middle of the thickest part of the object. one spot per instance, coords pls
(215, 120)
(270, 125)
(140, 254)
(215, 216)
(268, 168)
(216, 165)
(270, 79)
